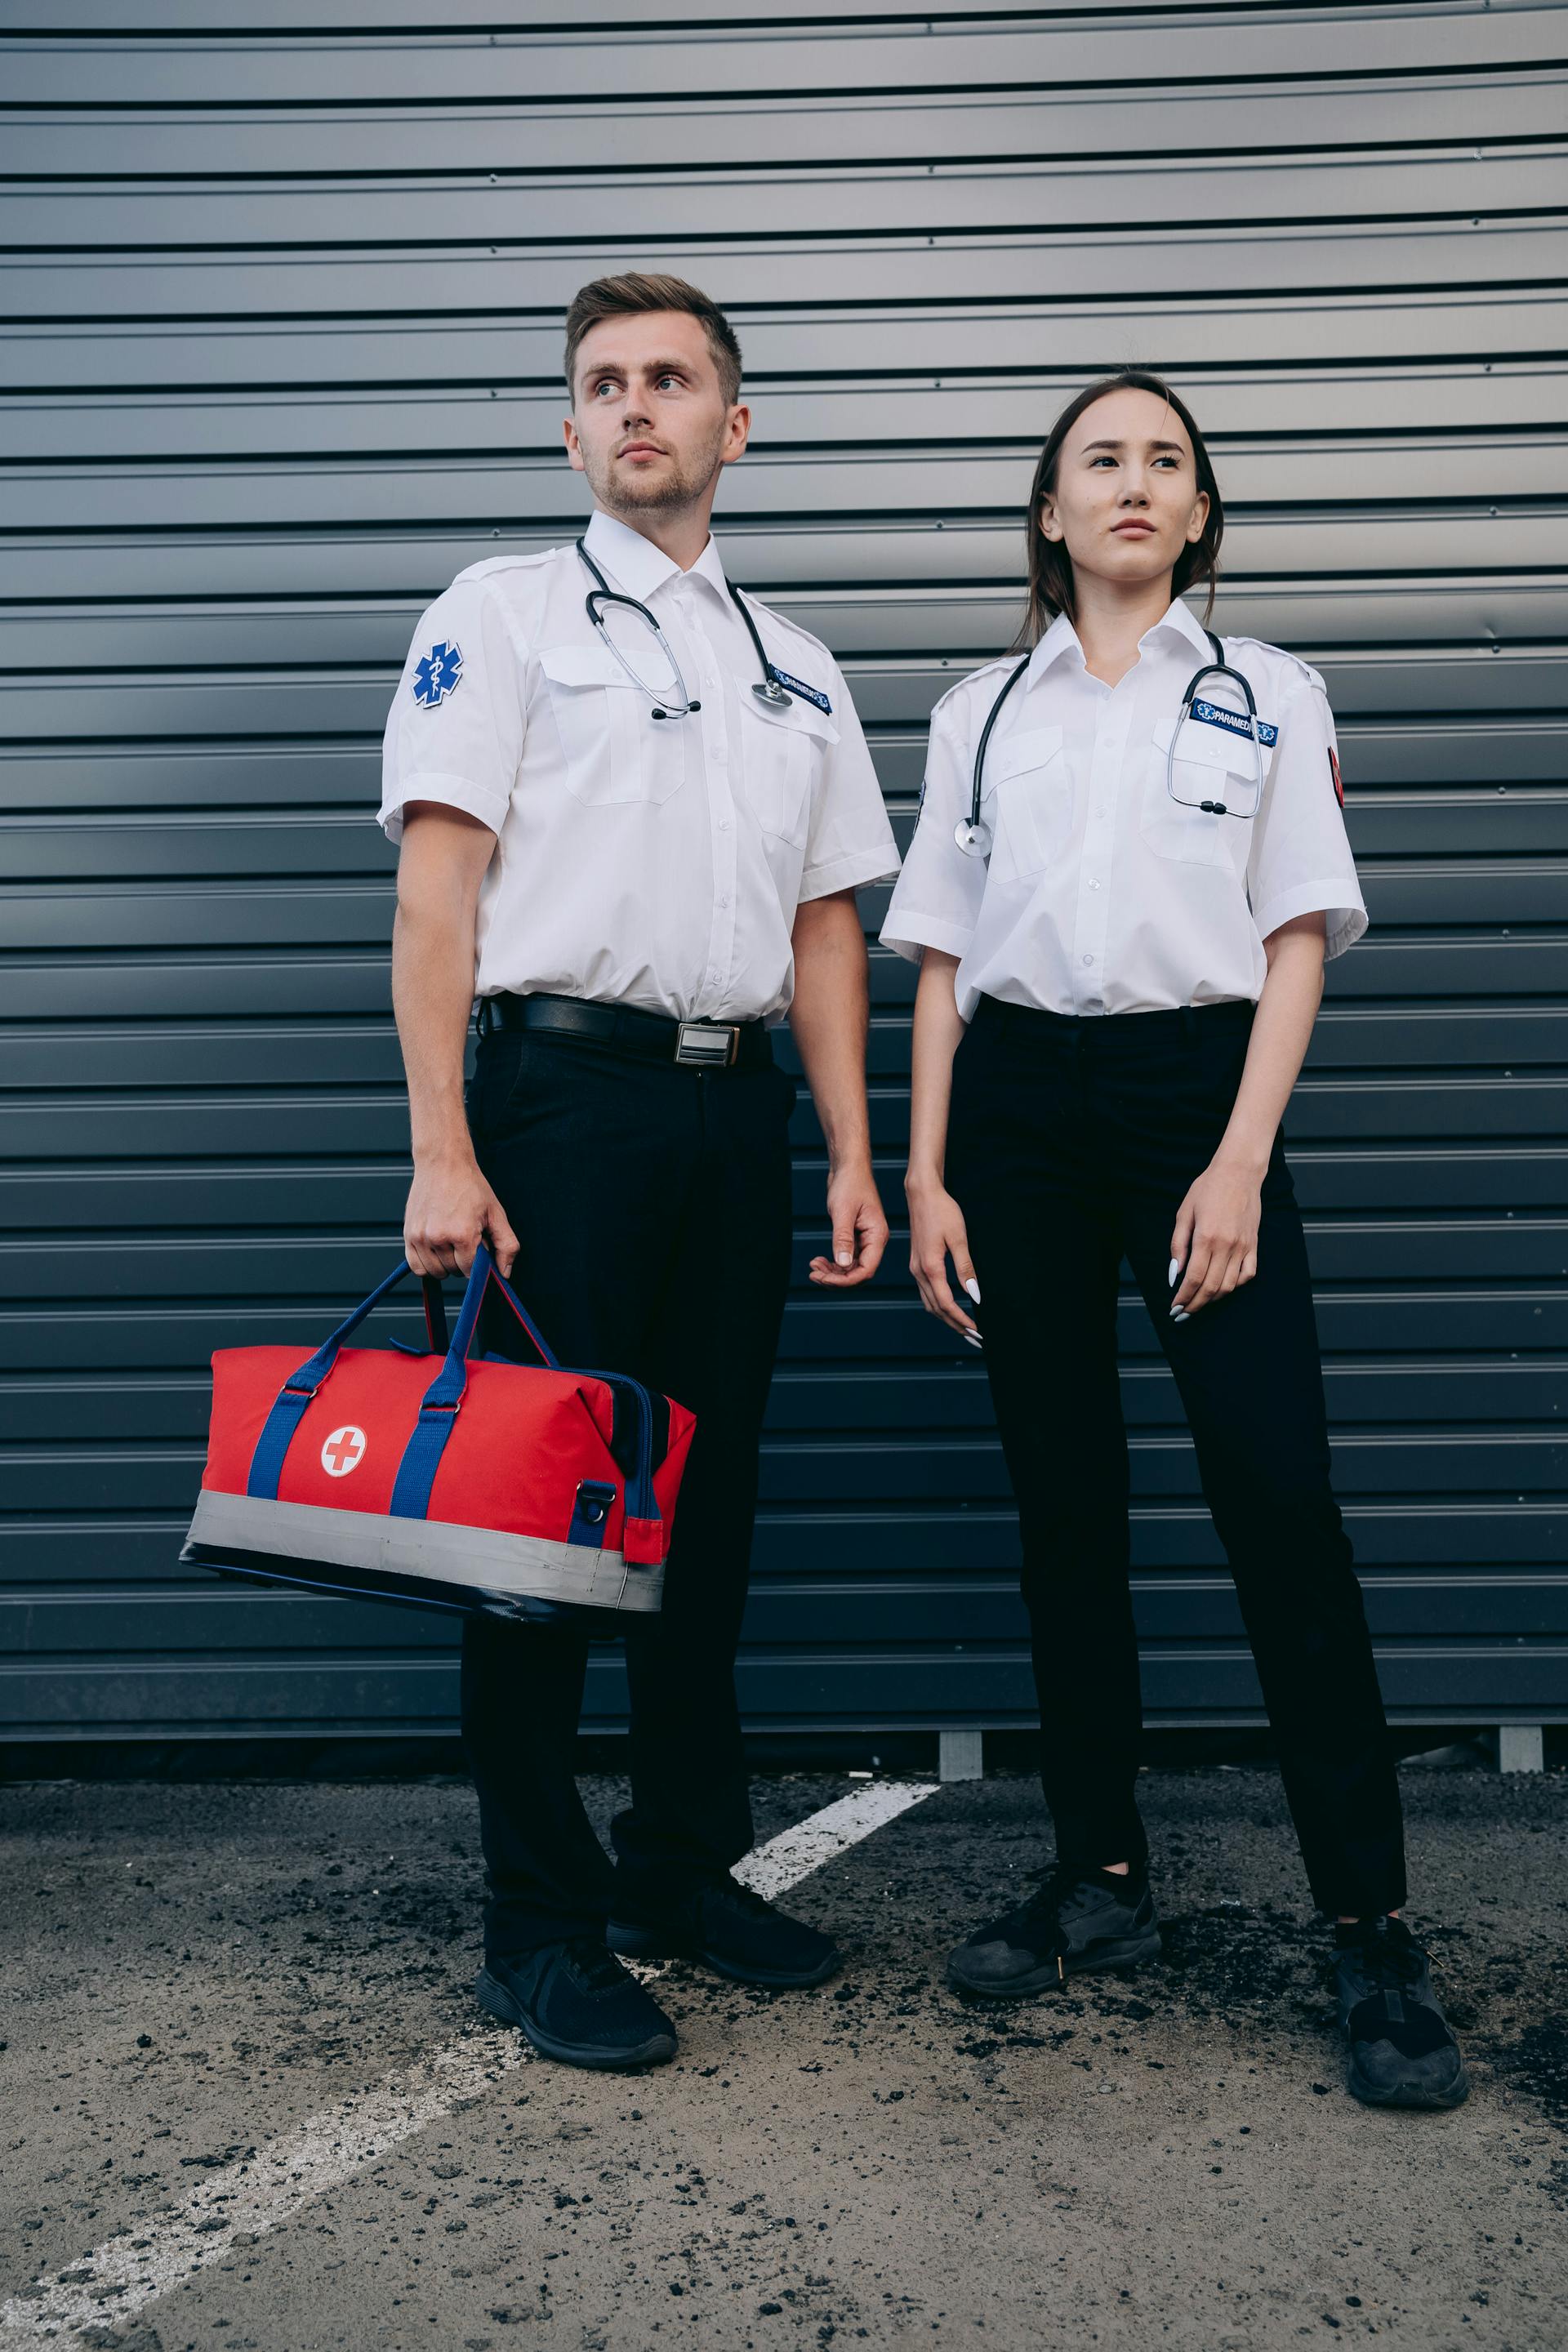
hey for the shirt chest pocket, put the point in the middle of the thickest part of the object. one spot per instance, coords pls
(1210, 765)
(1028, 803)
(784, 744)
(613, 748)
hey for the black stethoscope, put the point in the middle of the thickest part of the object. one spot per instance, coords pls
(973, 834)
(771, 688)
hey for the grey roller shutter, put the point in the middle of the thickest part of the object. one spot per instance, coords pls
(282, 287)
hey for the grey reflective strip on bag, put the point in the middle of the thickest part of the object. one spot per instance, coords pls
(430, 1550)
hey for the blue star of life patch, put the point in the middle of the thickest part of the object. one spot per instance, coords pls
(437, 674)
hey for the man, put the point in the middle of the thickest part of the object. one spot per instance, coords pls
(635, 831)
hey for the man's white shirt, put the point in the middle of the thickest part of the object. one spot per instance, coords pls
(642, 861)
(1102, 894)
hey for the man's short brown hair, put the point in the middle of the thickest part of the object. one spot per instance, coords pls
(633, 291)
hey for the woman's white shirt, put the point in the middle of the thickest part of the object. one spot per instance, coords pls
(1102, 894)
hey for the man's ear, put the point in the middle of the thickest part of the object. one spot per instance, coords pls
(737, 433)
(574, 446)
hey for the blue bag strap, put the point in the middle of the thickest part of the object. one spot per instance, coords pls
(446, 1388)
(427, 1443)
(439, 1410)
(288, 1407)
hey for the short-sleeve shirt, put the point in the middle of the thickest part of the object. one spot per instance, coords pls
(1104, 893)
(640, 860)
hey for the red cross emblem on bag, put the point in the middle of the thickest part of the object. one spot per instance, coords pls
(343, 1450)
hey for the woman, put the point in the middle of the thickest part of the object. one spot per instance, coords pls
(1122, 933)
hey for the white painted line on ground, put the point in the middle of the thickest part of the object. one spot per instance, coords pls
(118, 2279)
(795, 1853)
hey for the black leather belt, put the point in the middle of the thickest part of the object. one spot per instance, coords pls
(625, 1029)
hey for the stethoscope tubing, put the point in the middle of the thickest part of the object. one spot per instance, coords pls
(1219, 667)
(973, 834)
(769, 690)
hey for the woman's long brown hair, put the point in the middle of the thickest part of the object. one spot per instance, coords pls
(1050, 565)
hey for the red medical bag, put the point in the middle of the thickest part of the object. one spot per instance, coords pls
(457, 1481)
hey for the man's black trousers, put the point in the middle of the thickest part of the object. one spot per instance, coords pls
(1072, 1143)
(651, 1202)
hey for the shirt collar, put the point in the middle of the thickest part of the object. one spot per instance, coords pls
(1062, 638)
(710, 567)
(1179, 623)
(639, 566)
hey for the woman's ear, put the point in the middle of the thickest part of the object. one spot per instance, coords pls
(1197, 521)
(1049, 523)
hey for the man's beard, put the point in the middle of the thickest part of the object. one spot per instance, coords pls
(622, 493)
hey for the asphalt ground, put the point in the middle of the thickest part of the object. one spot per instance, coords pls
(193, 1975)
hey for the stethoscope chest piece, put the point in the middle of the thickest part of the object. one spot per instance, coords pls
(770, 691)
(972, 835)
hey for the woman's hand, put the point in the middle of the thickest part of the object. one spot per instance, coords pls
(1213, 1244)
(937, 1232)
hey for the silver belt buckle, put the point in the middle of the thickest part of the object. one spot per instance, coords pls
(707, 1044)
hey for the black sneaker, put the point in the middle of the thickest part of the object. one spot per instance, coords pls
(731, 1930)
(1079, 1919)
(1403, 2052)
(575, 2003)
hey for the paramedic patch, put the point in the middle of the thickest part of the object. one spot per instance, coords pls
(807, 693)
(1234, 722)
(436, 675)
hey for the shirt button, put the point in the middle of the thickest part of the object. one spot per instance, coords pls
(1087, 959)
(724, 902)
(724, 824)
(1094, 886)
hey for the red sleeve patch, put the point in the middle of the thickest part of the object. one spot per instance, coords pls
(1334, 772)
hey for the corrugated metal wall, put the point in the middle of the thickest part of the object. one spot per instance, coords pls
(282, 300)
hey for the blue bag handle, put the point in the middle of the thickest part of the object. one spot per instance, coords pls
(289, 1407)
(439, 1410)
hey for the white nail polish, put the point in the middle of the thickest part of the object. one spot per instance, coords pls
(974, 1338)
(1180, 1314)
(973, 1290)
(1175, 1269)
